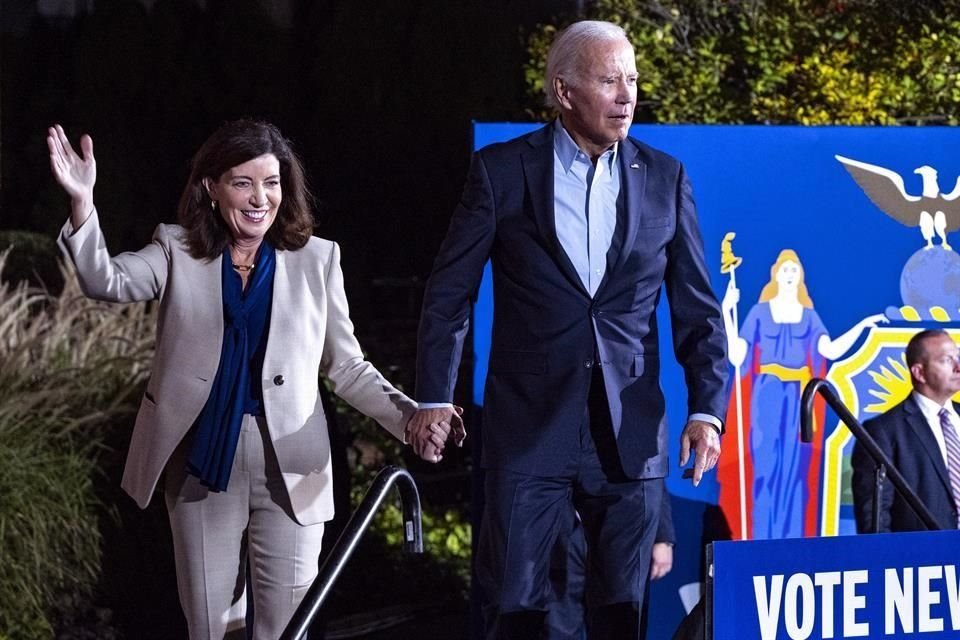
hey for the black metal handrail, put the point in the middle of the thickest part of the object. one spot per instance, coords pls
(347, 542)
(821, 386)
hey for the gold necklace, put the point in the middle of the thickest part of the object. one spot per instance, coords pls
(244, 267)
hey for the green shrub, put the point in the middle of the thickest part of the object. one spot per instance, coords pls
(32, 257)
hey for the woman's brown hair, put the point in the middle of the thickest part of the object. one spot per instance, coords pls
(233, 144)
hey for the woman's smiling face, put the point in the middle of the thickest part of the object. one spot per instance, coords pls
(248, 197)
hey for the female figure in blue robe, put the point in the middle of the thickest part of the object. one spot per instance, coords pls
(781, 345)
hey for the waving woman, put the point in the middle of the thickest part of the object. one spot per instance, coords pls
(252, 309)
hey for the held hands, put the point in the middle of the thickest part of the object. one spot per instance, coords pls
(75, 174)
(703, 439)
(428, 430)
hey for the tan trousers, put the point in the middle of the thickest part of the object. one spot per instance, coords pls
(215, 536)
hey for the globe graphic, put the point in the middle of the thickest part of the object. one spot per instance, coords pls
(931, 278)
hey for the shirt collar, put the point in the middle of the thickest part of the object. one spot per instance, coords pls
(567, 149)
(930, 409)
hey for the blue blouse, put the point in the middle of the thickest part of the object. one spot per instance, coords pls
(237, 388)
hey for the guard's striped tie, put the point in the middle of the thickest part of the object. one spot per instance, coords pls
(953, 455)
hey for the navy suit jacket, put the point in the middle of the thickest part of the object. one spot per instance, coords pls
(904, 435)
(548, 333)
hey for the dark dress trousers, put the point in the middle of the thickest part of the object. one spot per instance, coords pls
(571, 375)
(904, 435)
(566, 618)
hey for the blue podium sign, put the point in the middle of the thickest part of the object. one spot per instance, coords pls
(904, 585)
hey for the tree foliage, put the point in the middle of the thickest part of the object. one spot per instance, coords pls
(809, 62)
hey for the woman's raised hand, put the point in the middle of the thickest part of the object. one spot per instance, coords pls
(76, 174)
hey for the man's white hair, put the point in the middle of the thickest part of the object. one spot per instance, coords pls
(564, 60)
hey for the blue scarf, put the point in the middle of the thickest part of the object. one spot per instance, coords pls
(236, 387)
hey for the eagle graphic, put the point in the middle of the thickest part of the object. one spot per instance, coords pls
(885, 189)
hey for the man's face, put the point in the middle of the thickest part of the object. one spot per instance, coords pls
(939, 369)
(597, 106)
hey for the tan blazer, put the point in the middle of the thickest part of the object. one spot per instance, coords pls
(310, 333)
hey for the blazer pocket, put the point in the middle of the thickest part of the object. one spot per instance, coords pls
(646, 364)
(532, 362)
(147, 412)
(655, 221)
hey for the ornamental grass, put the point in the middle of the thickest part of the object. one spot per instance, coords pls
(71, 370)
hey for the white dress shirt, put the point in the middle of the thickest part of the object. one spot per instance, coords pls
(931, 413)
(584, 205)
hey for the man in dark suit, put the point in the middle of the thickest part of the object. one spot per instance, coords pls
(920, 436)
(583, 225)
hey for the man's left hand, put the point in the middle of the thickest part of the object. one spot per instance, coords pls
(661, 561)
(703, 439)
